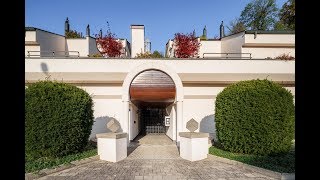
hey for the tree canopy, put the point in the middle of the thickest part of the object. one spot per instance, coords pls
(287, 16)
(259, 15)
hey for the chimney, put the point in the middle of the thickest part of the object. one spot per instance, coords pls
(88, 31)
(204, 33)
(66, 25)
(221, 30)
(137, 40)
(100, 33)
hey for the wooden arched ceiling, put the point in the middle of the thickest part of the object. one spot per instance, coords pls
(152, 86)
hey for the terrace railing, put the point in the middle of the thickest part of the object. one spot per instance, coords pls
(229, 55)
(71, 54)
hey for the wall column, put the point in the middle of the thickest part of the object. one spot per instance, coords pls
(179, 120)
(125, 119)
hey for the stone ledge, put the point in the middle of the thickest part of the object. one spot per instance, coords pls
(273, 174)
(112, 135)
(193, 134)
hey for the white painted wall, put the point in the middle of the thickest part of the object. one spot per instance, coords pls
(103, 80)
(270, 38)
(262, 53)
(137, 40)
(172, 113)
(125, 51)
(210, 47)
(32, 48)
(50, 42)
(92, 46)
(134, 117)
(232, 44)
(107, 104)
(78, 44)
(170, 49)
(30, 36)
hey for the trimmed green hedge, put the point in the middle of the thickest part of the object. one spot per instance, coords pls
(255, 117)
(58, 119)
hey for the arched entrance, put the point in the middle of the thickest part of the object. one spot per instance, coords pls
(138, 96)
(152, 92)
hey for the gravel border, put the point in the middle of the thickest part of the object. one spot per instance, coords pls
(273, 174)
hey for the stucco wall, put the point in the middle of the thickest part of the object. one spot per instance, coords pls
(270, 38)
(262, 53)
(172, 113)
(232, 44)
(134, 117)
(210, 47)
(202, 81)
(107, 104)
(92, 46)
(78, 44)
(50, 42)
(32, 48)
(30, 36)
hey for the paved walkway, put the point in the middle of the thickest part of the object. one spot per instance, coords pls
(156, 157)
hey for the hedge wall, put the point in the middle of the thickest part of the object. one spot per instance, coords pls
(255, 117)
(58, 119)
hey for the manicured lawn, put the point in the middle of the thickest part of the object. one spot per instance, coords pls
(44, 162)
(281, 163)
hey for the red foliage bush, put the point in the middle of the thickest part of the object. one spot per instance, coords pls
(187, 45)
(109, 46)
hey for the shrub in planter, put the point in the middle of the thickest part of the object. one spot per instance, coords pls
(255, 117)
(58, 119)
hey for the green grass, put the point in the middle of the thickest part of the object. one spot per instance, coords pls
(45, 162)
(284, 163)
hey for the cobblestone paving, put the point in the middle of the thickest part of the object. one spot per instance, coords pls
(148, 160)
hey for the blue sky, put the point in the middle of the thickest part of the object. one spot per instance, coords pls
(162, 18)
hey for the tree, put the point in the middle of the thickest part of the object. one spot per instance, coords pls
(108, 45)
(146, 55)
(236, 26)
(72, 34)
(187, 45)
(287, 15)
(259, 15)
(157, 54)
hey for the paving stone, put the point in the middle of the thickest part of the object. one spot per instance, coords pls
(155, 157)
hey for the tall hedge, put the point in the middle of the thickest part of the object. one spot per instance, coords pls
(58, 119)
(255, 117)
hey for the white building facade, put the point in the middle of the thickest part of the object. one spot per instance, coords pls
(195, 83)
(244, 45)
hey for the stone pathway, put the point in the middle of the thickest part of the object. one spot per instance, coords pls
(156, 157)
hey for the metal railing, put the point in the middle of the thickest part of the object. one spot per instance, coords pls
(240, 55)
(53, 54)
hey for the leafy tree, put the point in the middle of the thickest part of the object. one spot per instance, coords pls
(236, 26)
(287, 15)
(108, 45)
(259, 15)
(72, 34)
(155, 54)
(187, 45)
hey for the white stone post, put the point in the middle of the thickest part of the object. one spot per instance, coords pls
(193, 145)
(112, 146)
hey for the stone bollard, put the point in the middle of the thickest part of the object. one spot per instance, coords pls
(193, 145)
(112, 146)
